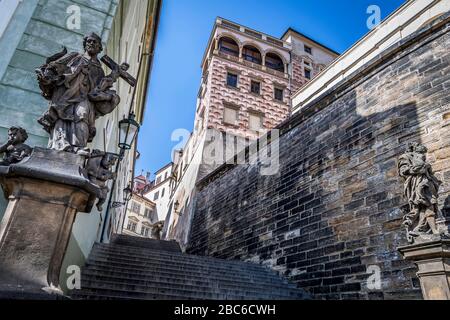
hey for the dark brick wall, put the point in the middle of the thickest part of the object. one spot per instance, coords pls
(334, 207)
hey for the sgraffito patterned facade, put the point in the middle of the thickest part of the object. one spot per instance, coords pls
(273, 112)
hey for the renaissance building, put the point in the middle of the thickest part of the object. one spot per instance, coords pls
(248, 78)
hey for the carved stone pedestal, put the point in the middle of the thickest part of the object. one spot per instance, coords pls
(433, 260)
(45, 193)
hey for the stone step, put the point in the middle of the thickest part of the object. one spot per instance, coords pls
(197, 284)
(144, 269)
(169, 246)
(108, 294)
(186, 292)
(199, 272)
(184, 276)
(170, 255)
(166, 271)
(154, 260)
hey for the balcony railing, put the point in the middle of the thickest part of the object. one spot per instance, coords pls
(229, 51)
(275, 66)
(252, 59)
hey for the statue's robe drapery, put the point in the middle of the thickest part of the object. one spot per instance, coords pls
(71, 106)
(421, 187)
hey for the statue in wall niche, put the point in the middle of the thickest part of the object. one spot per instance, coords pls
(421, 189)
(15, 150)
(98, 170)
(79, 92)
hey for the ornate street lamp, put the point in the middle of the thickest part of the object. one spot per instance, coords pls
(128, 129)
(127, 194)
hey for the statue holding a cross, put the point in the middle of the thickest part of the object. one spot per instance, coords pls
(79, 92)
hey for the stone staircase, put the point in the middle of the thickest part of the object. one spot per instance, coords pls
(145, 269)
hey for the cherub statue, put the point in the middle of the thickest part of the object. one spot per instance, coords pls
(421, 190)
(98, 171)
(14, 149)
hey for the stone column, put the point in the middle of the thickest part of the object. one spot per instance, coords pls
(45, 193)
(216, 46)
(433, 260)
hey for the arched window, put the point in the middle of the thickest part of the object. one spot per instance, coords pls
(252, 54)
(273, 61)
(228, 46)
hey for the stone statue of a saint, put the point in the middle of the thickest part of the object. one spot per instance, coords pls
(79, 93)
(421, 189)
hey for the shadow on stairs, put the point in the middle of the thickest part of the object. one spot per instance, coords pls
(146, 269)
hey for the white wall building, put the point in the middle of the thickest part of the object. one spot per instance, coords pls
(140, 217)
(160, 192)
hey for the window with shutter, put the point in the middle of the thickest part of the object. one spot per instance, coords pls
(230, 115)
(255, 121)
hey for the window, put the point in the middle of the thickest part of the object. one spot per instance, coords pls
(230, 115)
(145, 231)
(308, 49)
(255, 87)
(135, 207)
(158, 180)
(228, 46)
(278, 94)
(165, 176)
(147, 212)
(154, 217)
(307, 63)
(255, 121)
(132, 226)
(252, 54)
(273, 61)
(307, 73)
(156, 196)
(232, 80)
(162, 192)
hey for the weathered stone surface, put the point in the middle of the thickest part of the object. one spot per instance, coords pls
(35, 232)
(433, 261)
(52, 166)
(336, 190)
(45, 192)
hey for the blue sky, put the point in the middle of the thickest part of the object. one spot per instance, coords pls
(184, 30)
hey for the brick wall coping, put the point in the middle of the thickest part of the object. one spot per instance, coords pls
(401, 24)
